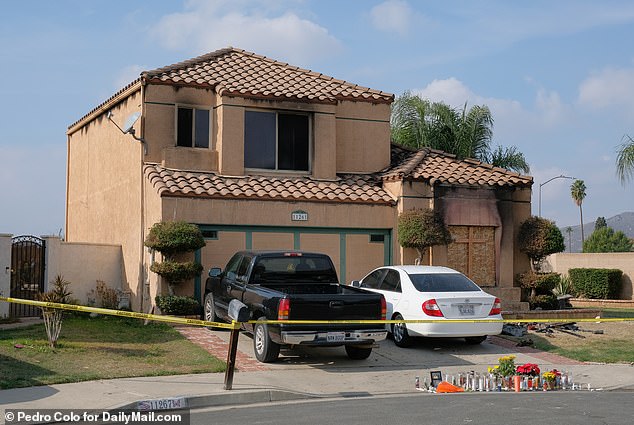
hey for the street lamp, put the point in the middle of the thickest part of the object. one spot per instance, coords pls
(548, 181)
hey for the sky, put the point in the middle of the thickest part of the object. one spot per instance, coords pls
(557, 76)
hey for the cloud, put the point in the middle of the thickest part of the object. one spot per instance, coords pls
(127, 75)
(255, 26)
(392, 16)
(611, 87)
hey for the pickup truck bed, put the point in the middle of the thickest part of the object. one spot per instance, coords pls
(295, 286)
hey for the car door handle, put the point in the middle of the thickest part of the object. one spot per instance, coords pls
(336, 304)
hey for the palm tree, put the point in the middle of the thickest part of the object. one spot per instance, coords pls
(578, 193)
(419, 123)
(569, 231)
(625, 160)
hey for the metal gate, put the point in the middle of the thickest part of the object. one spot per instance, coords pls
(27, 273)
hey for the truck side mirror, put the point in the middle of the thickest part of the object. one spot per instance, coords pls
(355, 283)
(215, 272)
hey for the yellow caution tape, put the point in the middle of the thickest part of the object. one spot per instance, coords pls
(122, 313)
(236, 325)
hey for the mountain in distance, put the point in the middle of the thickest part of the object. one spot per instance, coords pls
(623, 222)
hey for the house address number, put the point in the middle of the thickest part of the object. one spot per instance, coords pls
(299, 216)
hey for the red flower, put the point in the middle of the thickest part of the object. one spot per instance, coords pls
(529, 369)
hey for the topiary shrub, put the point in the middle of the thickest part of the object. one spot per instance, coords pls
(175, 271)
(539, 238)
(178, 305)
(171, 238)
(597, 283)
(422, 229)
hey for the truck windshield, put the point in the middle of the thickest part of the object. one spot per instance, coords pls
(300, 269)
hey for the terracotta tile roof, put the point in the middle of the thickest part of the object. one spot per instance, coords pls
(236, 72)
(365, 189)
(440, 167)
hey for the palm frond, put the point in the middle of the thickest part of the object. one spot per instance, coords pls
(625, 160)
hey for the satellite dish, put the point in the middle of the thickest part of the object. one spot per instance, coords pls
(129, 123)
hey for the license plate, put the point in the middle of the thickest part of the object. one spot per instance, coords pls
(163, 404)
(465, 309)
(335, 336)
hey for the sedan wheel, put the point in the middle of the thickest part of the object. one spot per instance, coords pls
(400, 334)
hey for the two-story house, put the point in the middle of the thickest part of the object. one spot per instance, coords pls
(264, 155)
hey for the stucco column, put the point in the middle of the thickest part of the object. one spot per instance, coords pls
(51, 260)
(5, 272)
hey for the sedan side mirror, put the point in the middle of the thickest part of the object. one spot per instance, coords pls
(356, 284)
(215, 272)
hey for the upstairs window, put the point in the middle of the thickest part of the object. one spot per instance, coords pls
(192, 127)
(276, 141)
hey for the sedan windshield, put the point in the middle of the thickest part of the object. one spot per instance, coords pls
(442, 282)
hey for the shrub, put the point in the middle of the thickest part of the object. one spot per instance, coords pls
(539, 238)
(564, 287)
(175, 271)
(421, 229)
(538, 283)
(544, 301)
(171, 237)
(177, 305)
(108, 297)
(53, 316)
(597, 283)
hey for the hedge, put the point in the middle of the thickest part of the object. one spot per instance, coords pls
(597, 283)
(178, 305)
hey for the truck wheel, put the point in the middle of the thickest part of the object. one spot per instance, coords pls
(475, 340)
(210, 308)
(265, 350)
(358, 353)
(400, 334)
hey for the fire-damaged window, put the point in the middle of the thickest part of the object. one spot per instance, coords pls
(192, 127)
(276, 141)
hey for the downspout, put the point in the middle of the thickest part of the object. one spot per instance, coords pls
(433, 208)
(67, 185)
(143, 284)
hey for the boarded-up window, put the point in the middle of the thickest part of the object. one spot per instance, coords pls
(473, 252)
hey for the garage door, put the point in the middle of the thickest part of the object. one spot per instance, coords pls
(354, 252)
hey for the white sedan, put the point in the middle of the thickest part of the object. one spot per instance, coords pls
(429, 293)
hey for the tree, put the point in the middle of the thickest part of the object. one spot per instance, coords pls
(605, 239)
(53, 316)
(578, 193)
(419, 123)
(600, 223)
(172, 238)
(625, 160)
(422, 229)
(569, 231)
(538, 238)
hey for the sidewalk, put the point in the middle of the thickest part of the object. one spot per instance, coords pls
(319, 373)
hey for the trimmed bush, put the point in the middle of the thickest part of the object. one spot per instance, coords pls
(175, 271)
(171, 237)
(422, 229)
(597, 283)
(545, 302)
(538, 283)
(538, 238)
(177, 305)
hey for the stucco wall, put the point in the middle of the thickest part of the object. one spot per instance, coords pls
(624, 261)
(82, 264)
(104, 178)
(5, 272)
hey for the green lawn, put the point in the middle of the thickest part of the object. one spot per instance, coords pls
(98, 348)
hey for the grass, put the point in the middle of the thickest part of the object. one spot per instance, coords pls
(104, 347)
(614, 345)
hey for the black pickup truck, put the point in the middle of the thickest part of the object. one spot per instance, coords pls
(277, 285)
